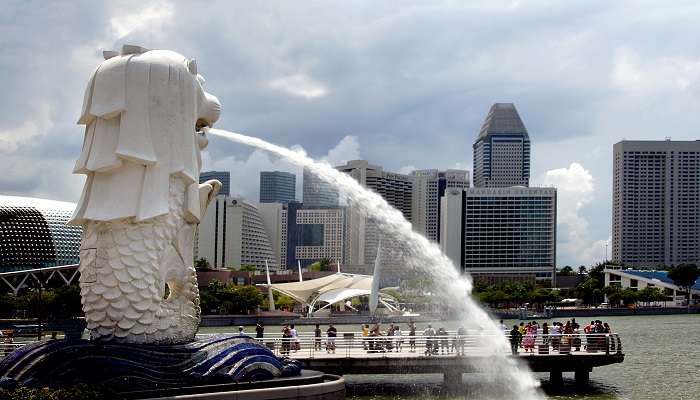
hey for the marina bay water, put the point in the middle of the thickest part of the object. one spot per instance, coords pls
(420, 255)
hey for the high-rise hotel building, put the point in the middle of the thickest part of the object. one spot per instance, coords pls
(656, 202)
(501, 229)
(429, 187)
(502, 149)
(498, 234)
(363, 234)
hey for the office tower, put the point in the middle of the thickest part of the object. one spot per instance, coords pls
(317, 192)
(363, 234)
(314, 233)
(222, 176)
(277, 187)
(429, 187)
(231, 234)
(502, 149)
(274, 218)
(656, 202)
(504, 233)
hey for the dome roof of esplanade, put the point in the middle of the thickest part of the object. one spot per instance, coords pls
(34, 234)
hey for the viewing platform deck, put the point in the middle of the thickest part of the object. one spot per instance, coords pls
(456, 355)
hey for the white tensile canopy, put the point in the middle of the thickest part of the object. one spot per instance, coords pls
(330, 289)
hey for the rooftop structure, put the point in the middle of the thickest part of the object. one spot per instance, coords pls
(502, 149)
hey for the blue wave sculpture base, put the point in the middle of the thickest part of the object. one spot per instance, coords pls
(129, 367)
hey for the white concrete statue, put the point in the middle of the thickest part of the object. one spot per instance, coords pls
(142, 198)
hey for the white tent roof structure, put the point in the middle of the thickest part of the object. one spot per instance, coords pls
(330, 289)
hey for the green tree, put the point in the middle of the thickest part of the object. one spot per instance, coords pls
(566, 271)
(246, 298)
(582, 270)
(684, 276)
(629, 296)
(202, 264)
(650, 294)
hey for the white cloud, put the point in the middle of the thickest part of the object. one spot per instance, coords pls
(150, 18)
(299, 85)
(575, 190)
(29, 130)
(347, 149)
(633, 73)
(407, 169)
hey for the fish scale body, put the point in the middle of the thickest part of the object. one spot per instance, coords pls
(122, 281)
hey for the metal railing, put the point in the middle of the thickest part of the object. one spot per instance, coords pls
(351, 344)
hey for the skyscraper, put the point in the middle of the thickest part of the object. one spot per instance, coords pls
(313, 234)
(222, 176)
(277, 187)
(317, 192)
(502, 149)
(363, 234)
(501, 233)
(656, 202)
(232, 233)
(429, 187)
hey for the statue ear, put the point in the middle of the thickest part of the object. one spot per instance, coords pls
(107, 54)
(192, 66)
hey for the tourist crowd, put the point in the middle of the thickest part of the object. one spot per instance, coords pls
(562, 337)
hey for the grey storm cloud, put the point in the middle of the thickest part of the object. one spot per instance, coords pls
(411, 81)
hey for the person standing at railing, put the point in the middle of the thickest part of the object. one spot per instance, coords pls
(529, 338)
(545, 336)
(399, 338)
(259, 330)
(555, 336)
(522, 331)
(365, 336)
(317, 337)
(515, 337)
(412, 337)
(286, 340)
(390, 338)
(331, 334)
(461, 333)
(296, 345)
(444, 341)
(428, 333)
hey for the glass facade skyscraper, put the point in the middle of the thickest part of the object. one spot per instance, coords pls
(222, 176)
(317, 192)
(277, 187)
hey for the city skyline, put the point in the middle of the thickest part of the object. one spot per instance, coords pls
(580, 82)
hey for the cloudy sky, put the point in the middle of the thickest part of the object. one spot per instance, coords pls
(403, 84)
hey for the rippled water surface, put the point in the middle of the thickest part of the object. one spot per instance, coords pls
(662, 361)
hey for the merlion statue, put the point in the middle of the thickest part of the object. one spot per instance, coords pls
(143, 113)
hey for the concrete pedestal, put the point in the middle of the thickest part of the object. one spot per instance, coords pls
(582, 377)
(556, 378)
(452, 381)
